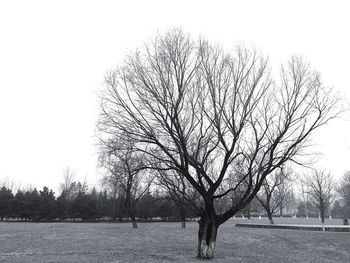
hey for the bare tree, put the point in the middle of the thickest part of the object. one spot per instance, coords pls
(70, 188)
(321, 190)
(304, 188)
(195, 109)
(274, 192)
(10, 184)
(68, 179)
(343, 191)
(180, 191)
(289, 203)
(124, 166)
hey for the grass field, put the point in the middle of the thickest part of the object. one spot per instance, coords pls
(164, 242)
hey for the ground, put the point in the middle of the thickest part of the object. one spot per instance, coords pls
(165, 242)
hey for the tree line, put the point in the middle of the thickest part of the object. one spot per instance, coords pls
(79, 204)
(319, 196)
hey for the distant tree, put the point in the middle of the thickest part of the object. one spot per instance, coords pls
(62, 206)
(321, 190)
(33, 202)
(68, 197)
(9, 184)
(119, 206)
(301, 209)
(93, 204)
(254, 207)
(74, 189)
(179, 190)
(68, 179)
(304, 188)
(102, 204)
(47, 204)
(191, 107)
(16, 205)
(145, 206)
(83, 204)
(343, 191)
(312, 210)
(21, 206)
(273, 194)
(6, 197)
(289, 204)
(338, 210)
(164, 208)
(124, 166)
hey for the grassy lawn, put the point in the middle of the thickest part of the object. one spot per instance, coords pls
(164, 242)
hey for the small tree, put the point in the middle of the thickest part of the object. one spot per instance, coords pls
(289, 203)
(179, 190)
(67, 180)
(6, 197)
(20, 206)
(103, 204)
(124, 165)
(254, 207)
(321, 190)
(304, 189)
(274, 192)
(47, 204)
(344, 193)
(338, 210)
(32, 201)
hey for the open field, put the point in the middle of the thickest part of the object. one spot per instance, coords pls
(163, 242)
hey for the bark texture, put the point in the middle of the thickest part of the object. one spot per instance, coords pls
(206, 239)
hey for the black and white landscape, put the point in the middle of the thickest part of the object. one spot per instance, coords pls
(174, 132)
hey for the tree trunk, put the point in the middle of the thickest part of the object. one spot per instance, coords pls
(306, 211)
(322, 213)
(269, 215)
(114, 209)
(131, 211)
(281, 210)
(120, 217)
(133, 221)
(134, 224)
(183, 216)
(248, 211)
(206, 238)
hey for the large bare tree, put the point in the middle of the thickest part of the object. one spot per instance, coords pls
(193, 108)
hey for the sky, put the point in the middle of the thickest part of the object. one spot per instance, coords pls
(54, 55)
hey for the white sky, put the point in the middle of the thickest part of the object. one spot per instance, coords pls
(54, 54)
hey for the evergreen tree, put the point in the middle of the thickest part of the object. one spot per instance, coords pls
(47, 204)
(32, 201)
(6, 197)
(20, 207)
